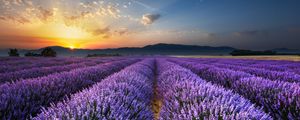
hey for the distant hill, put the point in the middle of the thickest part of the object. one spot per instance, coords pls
(286, 51)
(162, 46)
(156, 49)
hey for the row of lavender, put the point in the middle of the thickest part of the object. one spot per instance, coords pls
(43, 71)
(28, 63)
(280, 66)
(260, 69)
(21, 99)
(124, 95)
(279, 97)
(32, 62)
(27, 60)
(128, 93)
(187, 97)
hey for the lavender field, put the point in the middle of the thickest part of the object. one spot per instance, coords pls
(148, 88)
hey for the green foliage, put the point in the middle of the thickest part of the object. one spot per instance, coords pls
(48, 52)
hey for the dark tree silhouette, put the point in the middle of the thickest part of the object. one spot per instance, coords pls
(13, 53)
(32, 54)
(48, 52)
(250, 52)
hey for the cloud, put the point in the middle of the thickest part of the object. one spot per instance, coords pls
(29, 14)
(17, 2)
(251, 33)
(45, 14)
(82, 15)
(16, 19)
(145, 5)
(109, 10)
(74, 19)
(86, 5)
(2, 18)
(246, 33)
(23, 20)
(108, 32)
(101, 31)
(148, 19)
(122, 31)
(6, 2)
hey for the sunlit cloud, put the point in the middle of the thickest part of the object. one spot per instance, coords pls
(148, 19)
(45, 14)
(122, 31)
(88, 16)
(104, 32)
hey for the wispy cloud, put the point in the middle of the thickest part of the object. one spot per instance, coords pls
(249, 33)
(242, 33)
(15, 19)
(101, 31)
(45, 14)
(107, 32)
(144, 5)
(90, 17)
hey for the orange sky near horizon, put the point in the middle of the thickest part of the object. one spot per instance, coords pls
(90, 25)
(37, 35)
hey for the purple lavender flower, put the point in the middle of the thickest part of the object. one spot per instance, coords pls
(124, 95)
(186, 96)
(279, 98)
(21, 99)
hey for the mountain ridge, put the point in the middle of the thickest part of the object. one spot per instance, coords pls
(154, 49)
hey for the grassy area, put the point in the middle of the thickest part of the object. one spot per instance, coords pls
(275, 57)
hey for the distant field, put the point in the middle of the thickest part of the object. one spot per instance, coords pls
(284, 57)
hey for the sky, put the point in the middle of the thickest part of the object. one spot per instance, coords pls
(94, 24)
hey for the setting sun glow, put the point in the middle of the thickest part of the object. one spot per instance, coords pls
(70, 33)
(71, 47)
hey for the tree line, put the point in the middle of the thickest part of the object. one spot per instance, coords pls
(46, 52)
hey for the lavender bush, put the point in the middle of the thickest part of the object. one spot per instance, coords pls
(124, 95)
(186, 97)
(280, 99)
(42, 71)
(42, 62)
(19, 100)
(271, 75)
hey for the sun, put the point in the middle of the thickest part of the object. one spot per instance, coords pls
(72, 47)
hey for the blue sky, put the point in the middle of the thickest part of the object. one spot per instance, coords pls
(253, 24)
(246, 24)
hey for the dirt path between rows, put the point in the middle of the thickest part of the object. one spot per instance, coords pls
(156, 101)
